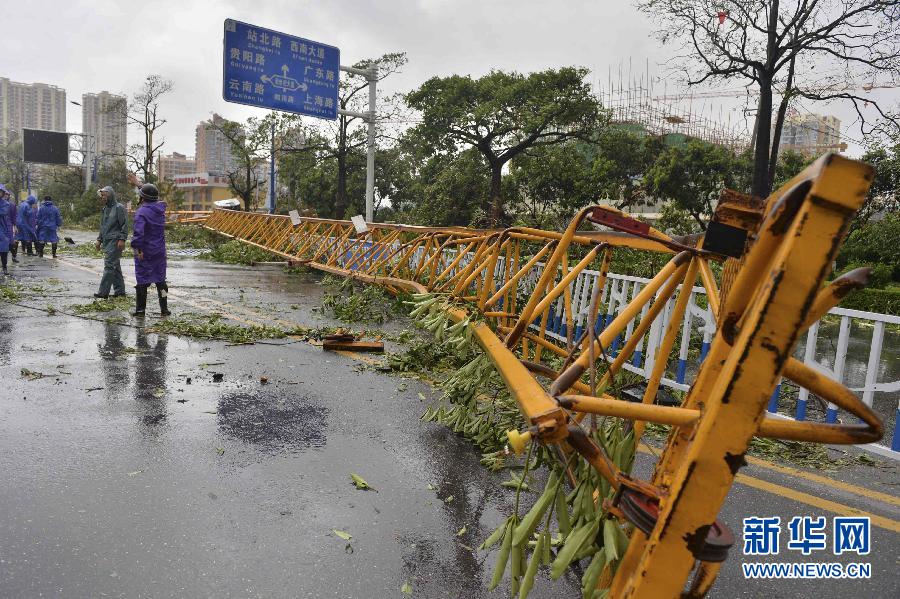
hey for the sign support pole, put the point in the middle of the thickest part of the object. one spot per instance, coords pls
(370, 158)
(371, 76)
(272, 174)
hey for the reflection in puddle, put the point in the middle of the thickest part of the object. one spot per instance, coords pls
(273, 421)
(150, 380)
(115, 371)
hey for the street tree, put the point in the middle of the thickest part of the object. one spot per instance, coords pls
(621, 158)
(438, 189)
(553, 182)
(884, 194)
(171, 194)
(346, 137)
(308, 178)
(12, 167)
(692, 175)
(64, 184)
(821, 50)
(143, 112)
(789, 164)
(453, 190)
(113, 172)
(503, 114)
(250, 146)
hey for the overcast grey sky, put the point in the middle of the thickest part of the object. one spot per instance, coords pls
(88, 46)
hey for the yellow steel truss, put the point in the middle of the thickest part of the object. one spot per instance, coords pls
(772, 297)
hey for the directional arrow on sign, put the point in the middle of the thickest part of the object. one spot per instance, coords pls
(284, 82)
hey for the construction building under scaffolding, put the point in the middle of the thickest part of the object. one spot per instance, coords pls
(634, 106)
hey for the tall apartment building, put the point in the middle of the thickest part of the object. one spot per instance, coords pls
(175, 165)
(811, 134)
(30, 106)
(103, 118)
(213, 150)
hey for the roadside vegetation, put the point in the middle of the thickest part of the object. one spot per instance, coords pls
(874, 244)
(354, 302)
(236, 252)
(104, 305)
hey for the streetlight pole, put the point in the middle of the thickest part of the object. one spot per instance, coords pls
(371, 75)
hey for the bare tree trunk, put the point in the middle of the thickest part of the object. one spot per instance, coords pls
(340, 201)
(761, 184)
(496, 211)
(248, 191)
(779, 124)
(148, 145)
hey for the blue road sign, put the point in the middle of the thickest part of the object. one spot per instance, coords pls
(274, 70)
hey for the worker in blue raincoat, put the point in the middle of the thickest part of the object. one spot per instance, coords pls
(149, 243)
(113, 233)
(48, 221)
(25, 220)
(10, 220)
(5, 229)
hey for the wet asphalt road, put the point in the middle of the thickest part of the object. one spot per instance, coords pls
(128, 472)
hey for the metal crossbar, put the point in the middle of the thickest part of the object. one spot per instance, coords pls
(535, 324)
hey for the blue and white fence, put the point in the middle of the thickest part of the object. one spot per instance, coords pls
(698, 328)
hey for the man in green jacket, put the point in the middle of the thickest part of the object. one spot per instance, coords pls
(113, 233)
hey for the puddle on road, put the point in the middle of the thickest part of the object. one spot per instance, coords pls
(273, 421)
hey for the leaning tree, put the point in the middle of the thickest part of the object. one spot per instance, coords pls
(819, 50)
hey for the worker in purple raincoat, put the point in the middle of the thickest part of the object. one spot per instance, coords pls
(48, 221)
(10, 220)
(25, 221)
(149, 243)
(5, 229)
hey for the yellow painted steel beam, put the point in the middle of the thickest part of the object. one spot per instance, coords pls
(768, 316)
(776, 293)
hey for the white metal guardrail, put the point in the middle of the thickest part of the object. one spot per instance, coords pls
(698, 328)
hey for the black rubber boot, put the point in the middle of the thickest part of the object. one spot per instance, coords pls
(14, 249)
(140, 300)
(40, 248)
(28, 250)
(53, 248)
(162, 292)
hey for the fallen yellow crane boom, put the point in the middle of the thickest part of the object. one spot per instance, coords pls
(514, 280)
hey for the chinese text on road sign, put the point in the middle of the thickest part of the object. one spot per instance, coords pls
(269, 69)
